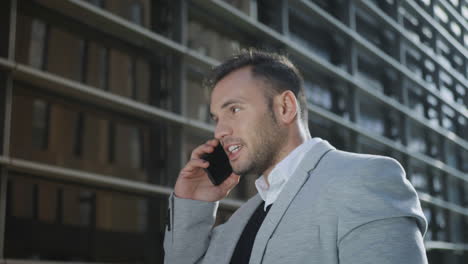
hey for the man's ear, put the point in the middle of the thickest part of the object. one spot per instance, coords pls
(286, 107)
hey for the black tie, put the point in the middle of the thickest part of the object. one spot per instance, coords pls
(244, 246)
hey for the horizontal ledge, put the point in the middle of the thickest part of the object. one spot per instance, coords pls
(443, 204)
(430, 245)
(99, 180)
(121, 104)
(94, 179)
(66, 87)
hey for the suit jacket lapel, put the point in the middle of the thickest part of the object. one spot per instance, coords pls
(299, 177)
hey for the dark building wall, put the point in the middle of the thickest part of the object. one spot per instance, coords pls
(102, 103)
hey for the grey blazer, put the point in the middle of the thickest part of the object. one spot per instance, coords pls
(337, 207)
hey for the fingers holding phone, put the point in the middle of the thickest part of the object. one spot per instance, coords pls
(208, 175)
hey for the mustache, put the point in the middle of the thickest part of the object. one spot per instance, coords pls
(229, 141)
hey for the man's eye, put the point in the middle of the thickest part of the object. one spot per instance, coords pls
(235, 109)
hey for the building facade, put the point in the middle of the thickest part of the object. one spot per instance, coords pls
(101, 103)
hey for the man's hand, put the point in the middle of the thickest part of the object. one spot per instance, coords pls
(193, 182)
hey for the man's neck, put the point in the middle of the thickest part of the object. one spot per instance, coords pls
(288, 148)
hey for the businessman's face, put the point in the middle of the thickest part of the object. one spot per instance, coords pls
(245, 123)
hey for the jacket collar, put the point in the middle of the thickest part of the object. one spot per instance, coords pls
(299, 177)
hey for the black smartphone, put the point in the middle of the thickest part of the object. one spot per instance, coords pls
(219, 169)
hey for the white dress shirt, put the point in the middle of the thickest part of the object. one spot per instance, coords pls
(280, 175)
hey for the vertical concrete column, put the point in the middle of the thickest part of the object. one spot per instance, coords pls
(284, 17)
(253, 11)
(352, 68)
(402, 87)
(7, 50)
(180, 74)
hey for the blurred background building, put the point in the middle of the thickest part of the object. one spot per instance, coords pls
(101, 104)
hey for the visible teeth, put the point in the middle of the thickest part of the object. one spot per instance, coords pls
(233, 149)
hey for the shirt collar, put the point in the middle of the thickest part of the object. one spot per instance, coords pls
(281, 173)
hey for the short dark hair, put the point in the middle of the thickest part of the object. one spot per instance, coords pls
(275, 69)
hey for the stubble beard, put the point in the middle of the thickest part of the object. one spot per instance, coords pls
(268, 139)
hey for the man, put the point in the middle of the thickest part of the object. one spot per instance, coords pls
(315, 204)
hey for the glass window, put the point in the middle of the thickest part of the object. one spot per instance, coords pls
(120, 73)
(40, 124)
(123, 72)
(368, 146)
(106, 226)
(463, 159)
(269, 14)
(207, 40)
(86, 139)
(448, 118)
(455, 190)
(98, 66)
(318, 93)
(420, 68)
(441, 225)
(369, 73)
(446, 87)
(167, 153)
(464, 187)
(374, 32)
(433, 145)
(78, 134)
(419, 177)
(456, 228)
(326, 93)
(3, 104)
(371, 116)
(417, 141)
(330, 6)
(317, 38)
(418, 31)
(141, 80)
(111, 131)
(137, 151)
(337, 135)
(67, 56)
(460, 92)
(439, 185)
(415, 99)
(83, 52)
(451, 154)
(428, 214)
(376, 118)
(37, 48)
(197, 100)
(242, 5)
(135, 11)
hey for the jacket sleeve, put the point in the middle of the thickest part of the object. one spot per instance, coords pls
(188, 230)
(380, 219)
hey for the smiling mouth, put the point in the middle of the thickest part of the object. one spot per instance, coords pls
(233, 149)
(233, 152)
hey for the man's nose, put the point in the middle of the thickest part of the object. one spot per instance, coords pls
(222, 130)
